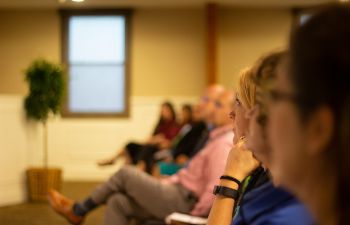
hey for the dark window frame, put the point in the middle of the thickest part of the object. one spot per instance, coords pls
(65, 16)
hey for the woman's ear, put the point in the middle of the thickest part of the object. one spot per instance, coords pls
(319, 130)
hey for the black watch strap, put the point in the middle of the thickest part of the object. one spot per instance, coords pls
(226, 192)
(225, 177)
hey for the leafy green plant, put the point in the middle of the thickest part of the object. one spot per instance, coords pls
(46, 88)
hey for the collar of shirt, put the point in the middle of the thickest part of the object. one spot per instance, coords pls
(218, 131)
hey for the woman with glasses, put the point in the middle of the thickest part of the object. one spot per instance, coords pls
(309, 109)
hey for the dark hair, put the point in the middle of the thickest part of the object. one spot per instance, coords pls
(188, 108)
(265, 70)
(319, 70)
(170, 106)
(161, 120)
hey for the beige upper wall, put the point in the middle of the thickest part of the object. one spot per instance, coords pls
(24, 36)
(245, 35)
(167, 51)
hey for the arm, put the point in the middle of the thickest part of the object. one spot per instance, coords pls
(214, 165)
(240, 164)
(222, 209)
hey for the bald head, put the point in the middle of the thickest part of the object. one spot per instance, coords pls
(214, 91)
(207, 103)
(227, 97)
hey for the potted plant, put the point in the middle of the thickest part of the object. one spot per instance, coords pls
(46, 87)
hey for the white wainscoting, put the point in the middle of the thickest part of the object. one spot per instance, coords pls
(74, 144)
(13, 148)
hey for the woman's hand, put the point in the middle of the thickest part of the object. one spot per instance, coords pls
(240, 162)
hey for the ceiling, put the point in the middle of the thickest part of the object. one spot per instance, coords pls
(156, 3)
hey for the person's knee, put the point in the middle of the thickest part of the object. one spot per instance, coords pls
(119, 203)
(126, 171)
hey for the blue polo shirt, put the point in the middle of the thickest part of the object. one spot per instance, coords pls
(268, 205)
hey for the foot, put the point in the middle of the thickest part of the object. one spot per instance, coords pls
(64, 206)
(106, 162)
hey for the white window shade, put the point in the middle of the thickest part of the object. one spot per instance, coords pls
(96, 89)
(96, 64)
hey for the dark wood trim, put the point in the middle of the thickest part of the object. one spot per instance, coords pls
(96, 115)
(65, 15)
(74, 12)
(64, 57)
(211, 18)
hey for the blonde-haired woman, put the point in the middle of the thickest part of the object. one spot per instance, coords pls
(253, 200)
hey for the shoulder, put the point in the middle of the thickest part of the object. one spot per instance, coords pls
(268, 205)
(293, 212)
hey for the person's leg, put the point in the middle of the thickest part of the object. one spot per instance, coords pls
(148, 193)
(156, 198)
(120, 209)
(146, 157)
(133, 151)
(64, 206)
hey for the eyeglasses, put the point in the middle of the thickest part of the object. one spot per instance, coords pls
(206, 99)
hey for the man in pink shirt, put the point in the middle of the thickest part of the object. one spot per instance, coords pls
(131, 193)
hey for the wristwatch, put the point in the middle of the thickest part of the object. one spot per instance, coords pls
(226, 192)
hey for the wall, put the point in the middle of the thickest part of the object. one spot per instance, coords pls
(25, 35)
(246, 34)
(13, 148)
(168, 52)
(167, 48)
(76, 144)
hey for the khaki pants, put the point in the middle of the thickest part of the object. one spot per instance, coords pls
(131, 193)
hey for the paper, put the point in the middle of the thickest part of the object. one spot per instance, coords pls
(185, 218)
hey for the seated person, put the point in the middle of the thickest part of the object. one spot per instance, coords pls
(262, 203)
(186, 115)
(309, 106)
(131, 193)
(187, 148)
(173, 159)
(149, 154)
(166, 129)
(188, 142)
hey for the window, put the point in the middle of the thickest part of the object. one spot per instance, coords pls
(95, 54)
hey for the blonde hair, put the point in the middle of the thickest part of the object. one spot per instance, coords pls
(247, 88)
